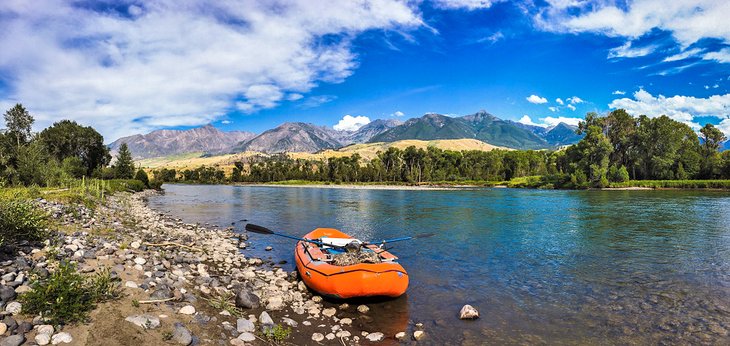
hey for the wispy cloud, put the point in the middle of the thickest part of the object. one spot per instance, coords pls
(316, 101)
(627, 50)
(137, 66)
(618, 92)
(549, 121)
(464, 4)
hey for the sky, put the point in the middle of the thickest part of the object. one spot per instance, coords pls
(128, 66)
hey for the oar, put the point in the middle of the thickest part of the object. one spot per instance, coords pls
(263, 230)
(393, 240)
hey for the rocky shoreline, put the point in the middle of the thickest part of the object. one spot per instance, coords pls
(185, 284)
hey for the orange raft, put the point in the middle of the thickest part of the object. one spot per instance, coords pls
(387, 278)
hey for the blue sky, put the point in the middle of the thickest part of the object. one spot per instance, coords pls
(130, 66)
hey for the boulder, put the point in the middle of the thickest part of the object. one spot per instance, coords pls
(61, 338)
(181, 335)
(13, 340)
(248, 337)
(245, 299)
(468, 312)
(243, 325)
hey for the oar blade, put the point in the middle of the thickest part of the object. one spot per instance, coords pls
(258, 229)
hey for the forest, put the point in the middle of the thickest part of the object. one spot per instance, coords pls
(615, 149)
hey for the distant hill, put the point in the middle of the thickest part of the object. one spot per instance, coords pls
(562, 134)
(290, 137)
(175, 142)
(367, 132)
(480, 126)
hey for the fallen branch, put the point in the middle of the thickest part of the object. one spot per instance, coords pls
(174, 244)
(156, 301)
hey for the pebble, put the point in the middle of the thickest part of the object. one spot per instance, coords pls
(14, 308)
(363, 309)
(13, 340)
(181, 335)
(317, 337)
(42, 339)
(139, 260)
(329, 312)
(468, 312)
(131, 284)
(187, 310)
(264, 318)
(3, 328)
(243, 325)
(61, 338)
(269, 248)
(22, 289)
(400, 335)
(330, 336)
(375, 337)
(346, 321)
(144, 321)
(418, 335)
(45, 329)
(247, 337)
(289, 322)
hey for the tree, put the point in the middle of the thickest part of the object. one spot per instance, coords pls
(711, 161)
(68, 139)
(142, 176)
(124, 168)
(591, 156)
(19, 122)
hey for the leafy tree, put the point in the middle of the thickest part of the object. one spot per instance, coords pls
(19, 122)
(124, 167)
(142, 176)
(68, 139)
(711, 160)
(73, 166)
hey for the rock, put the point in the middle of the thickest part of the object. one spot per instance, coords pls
(144, 321)
(187, 310)
(3, 328)
(346, 321)
(131, 284)
(181, 335)
(61, 338)
(43, 339)
(269, 248)
(400, 335)
(22, 289)
(45, 329)
(317, 299)
(14, 308)
(289, 322)
(275, 303)
(24, 328)
(265, 319)
(375, 337)
(363, 309)
(245, 299)
(135, 245)
(329, 312)
(418, 335)
(161, 293)
(468, 312)
(13, 340)
(330, 336)
(7, 293)
(245, 326)
(247, 337)
(139, 260)
(317, 337)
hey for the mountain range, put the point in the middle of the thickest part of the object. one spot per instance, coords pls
(310, 138)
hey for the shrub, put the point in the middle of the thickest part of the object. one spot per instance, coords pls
(66, 296)
(277, 333)
(21, 220)
(142, 176)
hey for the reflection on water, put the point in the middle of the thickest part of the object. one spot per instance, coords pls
(575, 267)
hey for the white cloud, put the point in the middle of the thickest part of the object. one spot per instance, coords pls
(350, 123)
(724, 126)
(169, 63)
(680, 108)
(397, 114)
(463, 4)
(549, 121)
(536, 99)
(683, 55)
(492, 38)
(722, 56)
(553, 109)
(627, 50)
(618, 92)
(226, 122)
(687, 21)
(572, 108)
(559, 101)
(575, 100)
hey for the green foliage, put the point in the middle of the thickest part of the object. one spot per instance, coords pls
(21, 219)
(104, 286)
(18, 122)
(124, 167)
(277, 333)
(142, 176)
(676, 184)
(73, 167)
(65, 296)
(224, 302)
(67, 139)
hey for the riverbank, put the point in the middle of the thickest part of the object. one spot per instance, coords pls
(181, 283)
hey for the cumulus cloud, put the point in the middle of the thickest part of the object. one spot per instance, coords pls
(722, 56)
(680, 108)
(137, 66)
(397, 114)
(572, 108)
(575, 100)
(536, 99)
(549, 121)
(464, 4)
(687, 21)
(618, 92)
(350, 123)
(559, 101)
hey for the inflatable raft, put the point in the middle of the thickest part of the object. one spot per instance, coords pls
(317, 270)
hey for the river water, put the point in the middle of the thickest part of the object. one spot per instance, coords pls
(565, 267)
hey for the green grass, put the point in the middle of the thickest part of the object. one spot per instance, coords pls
(675, 184)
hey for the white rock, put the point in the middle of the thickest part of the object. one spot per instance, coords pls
(418, 335)
(3, 328)
(14, 308)
(62, 337)
(187, 310)
(363, 309)
(317, 337)
(330, 336)
(247, 337)
(45, 329)
(343, 334)
(329, 312)
(140, 260)
(22, 289)
(42, 339)
(144, 321)
(346, 321)
(243, 325)
(317, 299)
(264, 318)
(375, 337)
(468, 312)
(135, 245)
(400, 335)
(275, 303)
(131, 284)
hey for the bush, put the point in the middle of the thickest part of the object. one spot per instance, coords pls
(21, 220)
(277, 333)
(142, 176)
(67, 296)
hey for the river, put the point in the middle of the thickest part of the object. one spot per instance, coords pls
(541, 266)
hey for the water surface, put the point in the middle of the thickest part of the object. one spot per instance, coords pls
(568, 267)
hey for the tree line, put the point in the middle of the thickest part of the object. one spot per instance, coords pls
(63, 152)
(615, 148)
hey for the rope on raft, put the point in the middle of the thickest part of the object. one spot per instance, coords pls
(350, 258)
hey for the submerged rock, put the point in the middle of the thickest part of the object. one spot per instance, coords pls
(468, 312)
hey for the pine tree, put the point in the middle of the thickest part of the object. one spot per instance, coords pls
(124, 168)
